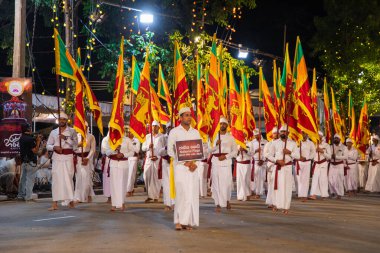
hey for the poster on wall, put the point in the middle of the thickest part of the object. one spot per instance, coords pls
(15, 111)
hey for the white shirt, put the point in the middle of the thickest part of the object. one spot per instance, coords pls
(277, 150)
(136, 144)
(340, 152)
(267, 149)
(228, 146)
(126, 148)
(307, 149)
(352, 155)
(90, 145)
(326, 152)
(256, 145)
(180, 134)
(71, 141)
(375, 152)
(104, 144)
(158, 144)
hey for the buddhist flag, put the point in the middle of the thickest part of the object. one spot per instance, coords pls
(235, 112)
(202, 119)
(306, 113)
(213, 106)
(290, 100)
(326, 109)
(181, 89)
(163, 90)
(67, 67)
(141, 115)
(351, 115)
(248, 117)
(336, 117)
(135, 79)
(362, 133)
(116, 130)
(269, 111)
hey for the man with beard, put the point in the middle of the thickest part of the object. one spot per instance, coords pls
(303, 166)
(336, 172)
(223, 150)
(62, 140)
(271, 167)
(320, 182)
(186, 209)
(154, 142)
(283, 151)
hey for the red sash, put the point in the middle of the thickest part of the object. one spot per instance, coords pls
(114, 157)
(315, 164)
(210, 163)
(278, 167)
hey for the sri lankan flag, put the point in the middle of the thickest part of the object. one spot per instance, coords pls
(135, 78)
(66, 66)
(181, 89)
(202, 116)
(351, 116)
(222, 74)
(116, 130)
(290, 100)
(235, 112)
(362, 133)
(269, 111)
(79, 115)
(279, 103)
(158, 112)
(213, 106)
(326, 109)
(248, 117)
(163, 90)
(141, 115)
(336, 117)
(306, 113)
(314, 97)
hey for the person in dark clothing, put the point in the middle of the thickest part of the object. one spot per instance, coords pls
(29, 147)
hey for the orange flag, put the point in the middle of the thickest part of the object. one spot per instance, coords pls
(116, 131)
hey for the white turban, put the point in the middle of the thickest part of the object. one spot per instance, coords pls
(320, 133)
(223, 120)
(155, 123)
(183, 110)
(376, 137)
(337, 136)
(349, 140)
(283, 127)
(63, 115)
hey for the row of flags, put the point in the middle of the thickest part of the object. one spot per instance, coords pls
(293, 102)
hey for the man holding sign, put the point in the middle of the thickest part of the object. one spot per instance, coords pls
(185, 147)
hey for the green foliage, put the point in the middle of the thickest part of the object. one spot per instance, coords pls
(348, 44)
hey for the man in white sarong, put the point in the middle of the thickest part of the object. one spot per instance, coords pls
(223, 150)
(186, 209)
(283, 151)
(336, 171)
(373, 181)
(132, 165)
(303, 166)
(84, 168)
(62, 140)
(152, 160)
(351, 169)
(117, 165)
(243, 168)
(319, 171)
(271, 169)
(105, 168)
(163, 173)
(259, 171)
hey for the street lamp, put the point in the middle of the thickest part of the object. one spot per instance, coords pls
(243, 54)
(146, 18)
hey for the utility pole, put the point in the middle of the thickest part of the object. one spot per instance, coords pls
(19, 39)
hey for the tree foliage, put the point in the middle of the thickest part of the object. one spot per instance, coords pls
(348, 44)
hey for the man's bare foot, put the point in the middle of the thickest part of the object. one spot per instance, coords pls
(303, 199)
(248, 198)
(123, 208)
(270, 206)
(54, 207)
(338, 197)
(286, 212)
(148, 200)
(71, 204)
(256, 196)
(218, 209)
(178, 227)
(129, 194)
(229, 207)
(313, 197)
(113, 209)
(167, 208)
(89, 199)
(274, 209)
(189, 228)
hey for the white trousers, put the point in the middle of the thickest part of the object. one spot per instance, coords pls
(132, 169)
(83, 181)
(336, 178)
(352, 177)
(221, 185)
(62, 178)
(303, 179)
(320, 181)
(284, 188)
(186, 209)
(271, 196)
(166, 183)
(243, 181)
(152, 183)
(118, 182)
(202, 174)
(363, 174)
(373, 181)
(260, 173)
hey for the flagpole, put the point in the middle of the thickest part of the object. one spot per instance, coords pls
(58, 109)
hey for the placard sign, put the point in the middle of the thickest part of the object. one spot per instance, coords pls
(189, 150)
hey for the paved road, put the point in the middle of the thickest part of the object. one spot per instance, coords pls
(347, 225)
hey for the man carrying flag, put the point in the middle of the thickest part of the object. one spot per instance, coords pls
(373, 181)
(259, 170)
(271, 167)
(186, 209)
(336, 171)
(351, 169)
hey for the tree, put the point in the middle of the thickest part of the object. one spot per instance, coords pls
(348, 44)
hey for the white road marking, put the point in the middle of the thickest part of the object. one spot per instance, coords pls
(56, 218)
